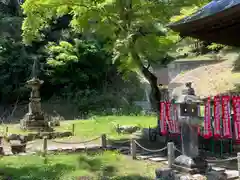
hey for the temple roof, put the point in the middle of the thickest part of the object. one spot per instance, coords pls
(218, 21)
(211, 8)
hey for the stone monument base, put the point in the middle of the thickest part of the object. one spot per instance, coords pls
(189, 164)
(35, 122)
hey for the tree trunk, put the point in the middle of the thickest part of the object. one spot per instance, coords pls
(155, 95)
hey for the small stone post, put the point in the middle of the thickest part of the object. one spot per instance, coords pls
(45, 149)
(73, 129)
(133, 149)
(170, 149)
(104, 141)
(6, 130)
(238, 160)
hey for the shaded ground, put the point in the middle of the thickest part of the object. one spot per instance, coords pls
(66, 167)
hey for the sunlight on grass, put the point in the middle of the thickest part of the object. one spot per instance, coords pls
(95, 127)
(71, 166)
(107, 124)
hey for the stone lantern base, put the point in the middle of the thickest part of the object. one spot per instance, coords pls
(189, 164)
(34, 121)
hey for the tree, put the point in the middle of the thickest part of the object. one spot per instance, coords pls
(135, 29)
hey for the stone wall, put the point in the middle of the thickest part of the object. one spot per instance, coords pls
(165, 75)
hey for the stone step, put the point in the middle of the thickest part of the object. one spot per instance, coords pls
(144, 157)
(219, 169)
(158, 159)
(232, 174)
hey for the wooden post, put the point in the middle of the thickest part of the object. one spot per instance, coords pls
(104, 141)
(238, 160)
(73, 129)
(6, 130)
(170, 149)
(133, 149)
(45, 150)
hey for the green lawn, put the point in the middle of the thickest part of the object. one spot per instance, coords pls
(87, 129)
(71, 166)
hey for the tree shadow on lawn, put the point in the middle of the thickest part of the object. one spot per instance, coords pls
(86, 163)
(131, 177)
(44, 172)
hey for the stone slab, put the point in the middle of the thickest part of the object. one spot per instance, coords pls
(144, 157)
(231, 174)
(219, 169)
(165, 174)
(198, 177)
(185, 169)
(157, 159)
(214, 175)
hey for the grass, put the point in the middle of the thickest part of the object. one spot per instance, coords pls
(87, 129)
(71, 166)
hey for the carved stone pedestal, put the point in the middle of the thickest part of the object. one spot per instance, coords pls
(33, 121)
(190, 160)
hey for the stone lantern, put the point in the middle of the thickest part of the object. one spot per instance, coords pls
(34, 119)
(188, 108)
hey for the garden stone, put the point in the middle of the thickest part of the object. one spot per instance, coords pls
(165, 174)
(185, 177)
(127, 129)
(214, 175)
(198, 177)
(31, 137)
(44, 134)
(17, 146)
(13, 137)
(23, 138)
(66, 134)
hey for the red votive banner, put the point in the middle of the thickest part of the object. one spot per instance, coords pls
(163, 124)
(226, 118)
(168, 116)
(217, 117)
(236, 117)
(207, 133)
(171, 114)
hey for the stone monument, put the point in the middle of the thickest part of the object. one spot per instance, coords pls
(188, 106)
(34, 119)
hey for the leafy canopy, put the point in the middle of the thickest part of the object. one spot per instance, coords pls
(129, 25)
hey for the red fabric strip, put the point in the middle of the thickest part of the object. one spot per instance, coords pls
(227, 130)
(217, 117)
(207, 133)
(236, 117)
(163, 124)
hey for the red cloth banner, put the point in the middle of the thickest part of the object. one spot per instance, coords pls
(217, 117)
(207, 133)
(163, 124)
(171, 115)
(226, 117)
(236, 117)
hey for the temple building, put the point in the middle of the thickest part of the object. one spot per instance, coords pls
(218, 21)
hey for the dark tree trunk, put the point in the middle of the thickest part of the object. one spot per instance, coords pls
(155, 95)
